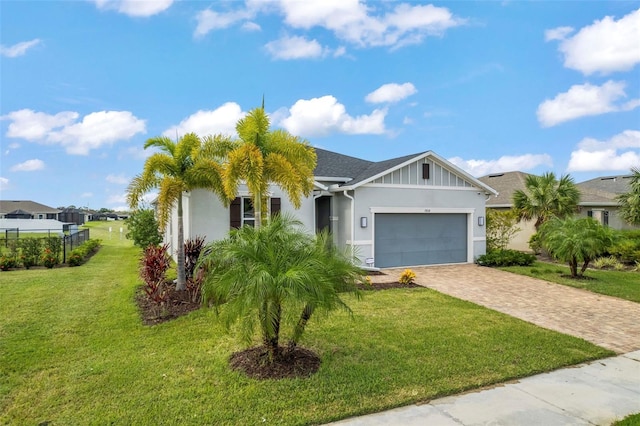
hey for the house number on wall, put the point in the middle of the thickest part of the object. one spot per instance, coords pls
(427, 210)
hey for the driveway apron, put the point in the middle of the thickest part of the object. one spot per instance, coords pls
(603, 320)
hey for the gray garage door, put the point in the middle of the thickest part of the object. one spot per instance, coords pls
(410, 239)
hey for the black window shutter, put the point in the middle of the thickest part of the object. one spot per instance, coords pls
(425, 171)
(235, 220)
(275, 206)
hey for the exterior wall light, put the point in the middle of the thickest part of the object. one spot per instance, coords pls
(480, 220)
(363, 222)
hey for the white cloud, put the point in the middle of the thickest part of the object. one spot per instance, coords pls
(325, 115)
(4, 183)
(117, 199)
(18, 49)
(251, 26)
(117, 179)
(208, 20)
(95, 129)
(353, 21)
(295, 48)
(620, 152)
(137, 8)
(391, 92)
(503, 164)
(559, 33)
(584, 100)
(209, 122)
(86, 195)
(28, 166)
(604, 47)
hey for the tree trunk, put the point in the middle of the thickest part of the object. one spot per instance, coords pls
(573, 265)
(182, 279)
(257, 210)
(271, 340)
(300, 326)
(584, 266)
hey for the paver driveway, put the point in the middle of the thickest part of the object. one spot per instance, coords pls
(606, 321)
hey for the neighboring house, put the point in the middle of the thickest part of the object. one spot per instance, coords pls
(506, 184)
(597, 200)
(11, 209)
(413, 210)
(72, 215)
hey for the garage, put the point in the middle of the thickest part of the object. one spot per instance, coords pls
(410, 239)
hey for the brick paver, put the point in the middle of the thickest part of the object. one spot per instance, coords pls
(607, 321)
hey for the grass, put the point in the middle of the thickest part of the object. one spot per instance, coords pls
(632, 420)
(622, 284)
(73, 351)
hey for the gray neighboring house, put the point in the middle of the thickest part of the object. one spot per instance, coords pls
(413, 210)
(15, 209)
(597, 200)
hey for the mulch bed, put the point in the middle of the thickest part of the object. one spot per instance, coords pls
(178, 303)
(253, 362)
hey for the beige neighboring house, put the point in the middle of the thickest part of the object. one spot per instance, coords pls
(598, 200)
(506, 184)
(24, 209)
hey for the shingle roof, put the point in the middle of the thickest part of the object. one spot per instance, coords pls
(604, 188)
(506, 184)
(7, 206)
(332, 164)
(379, 167)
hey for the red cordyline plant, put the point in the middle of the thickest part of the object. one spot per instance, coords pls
(192, 249)
(153, 271)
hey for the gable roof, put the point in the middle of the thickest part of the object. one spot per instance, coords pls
(353, 172)
(506, 184)
(7, 206)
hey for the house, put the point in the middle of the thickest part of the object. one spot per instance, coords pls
(597, 200)
(414, 210)
(13, 209)
(74, 215)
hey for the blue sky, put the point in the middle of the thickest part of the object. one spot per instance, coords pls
(491, 86)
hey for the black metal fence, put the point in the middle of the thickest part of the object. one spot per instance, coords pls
(68, 241)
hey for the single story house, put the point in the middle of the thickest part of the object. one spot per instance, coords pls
(414, 210)
(597, 200)
(16, 209)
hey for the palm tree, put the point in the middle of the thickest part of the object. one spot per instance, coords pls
(257, 274)
(546, 197)
(261, 156)
(575, 241)
(630, 201)
(180, 166)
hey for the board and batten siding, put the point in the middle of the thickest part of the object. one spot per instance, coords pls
(412, 174)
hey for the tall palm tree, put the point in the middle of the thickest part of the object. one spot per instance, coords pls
(261, 156)
(276, 274)
(546, 197)
(630, 201)
(180, 166)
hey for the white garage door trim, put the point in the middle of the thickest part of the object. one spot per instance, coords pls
(426, 210)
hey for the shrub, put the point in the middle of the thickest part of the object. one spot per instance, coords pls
(75, 258)
(192, 250)
(7, 262)
(610, 262)
(31, 251)
(506, 258)
(535, 243)
(407, 277)
(501, 227)
(49, 260)
(626, 246)
(79, 254)
(54, 245)
(143, 228)
(153, 271)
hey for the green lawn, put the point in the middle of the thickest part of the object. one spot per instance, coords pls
(632, 420)
(623, 284)
(73, 351)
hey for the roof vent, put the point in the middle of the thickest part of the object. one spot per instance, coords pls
(496, 175)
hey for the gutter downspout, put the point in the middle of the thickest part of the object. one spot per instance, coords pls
(353, 218)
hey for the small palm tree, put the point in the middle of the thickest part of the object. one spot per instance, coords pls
(575, 241)
(262, 156)
(180, 166)
(630, 201)
(265, 275)
(546, 197)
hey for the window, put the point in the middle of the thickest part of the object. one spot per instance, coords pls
(605, 218)
(241, 211)
(248, 213)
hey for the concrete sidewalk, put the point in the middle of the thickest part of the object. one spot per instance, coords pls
(597, 393)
